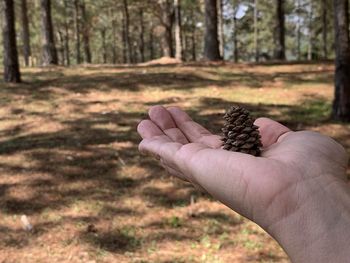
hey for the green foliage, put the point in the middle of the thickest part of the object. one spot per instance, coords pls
(106, 17)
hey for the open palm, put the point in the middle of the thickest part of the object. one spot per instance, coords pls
(294, 171)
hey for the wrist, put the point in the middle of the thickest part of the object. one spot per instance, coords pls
(319, 230)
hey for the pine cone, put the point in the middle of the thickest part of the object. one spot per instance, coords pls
(240, 133)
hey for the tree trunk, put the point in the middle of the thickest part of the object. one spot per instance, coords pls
(256, 31)
(279, 31)
(299, 30)
(49, 48)
(11, 65)
(127, 32)
(211, 42)
(104, 45)
(310, 33)
(167, 22)
(194, 42)
(178, 37)
(25, 32)
(341, 105)
(125, 55)
(60, 49)
(151, 44)
(324, 29)
(234, 33)
(221, 34)
(86, 33)
(77, 31)
(66, 29)
(142, 36)
(114, 40)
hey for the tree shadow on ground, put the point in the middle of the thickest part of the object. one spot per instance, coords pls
(81, 161)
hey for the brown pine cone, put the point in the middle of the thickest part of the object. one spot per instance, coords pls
(240, 133)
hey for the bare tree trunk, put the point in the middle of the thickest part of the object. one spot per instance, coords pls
(49, 48)
(341, 104)
(11, 65)
(178, 36)
(167, 22)
(280, 53)
(256, 31)
(66, 29)
(193, 37)
(234, 33)
(151, 44)
(299, 30)
(324, 29)
(127, 31)
(104, 45)
(142, 36)
(86, 33)
(125, 55)
(211, 42)
(25, 32)
(114, 40)
(194, 42)
(310, 29)
(221, 34)
(60, 49)
(77, 31)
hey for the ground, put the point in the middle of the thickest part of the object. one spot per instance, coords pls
(69, 160)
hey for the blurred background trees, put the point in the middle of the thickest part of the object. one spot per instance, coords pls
(134, 31)
(68, 32)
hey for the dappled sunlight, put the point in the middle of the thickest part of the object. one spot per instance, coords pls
(69, 159)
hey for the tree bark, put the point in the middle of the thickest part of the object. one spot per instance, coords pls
(77, 31)
(142, 36)
(178, 36)
(194, 41)
(66, 29)
(11, 65)
(211, 42)
(125, 55)
(114, 40)
(49, 48)
(104, 45)
(234, 31)
(127, 31)
(299, 30)
(310, 33)
(167, 22)
(151, 44)
(221, 34)
(341, 104)
(256, 31)
(86, 33)
(324, 29)
(25, 33)
(60, 49)
(279, 31)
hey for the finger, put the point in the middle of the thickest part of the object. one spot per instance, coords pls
(147, 129)
(161, 147)
(270, 130)
(160, 116)
(192, 130)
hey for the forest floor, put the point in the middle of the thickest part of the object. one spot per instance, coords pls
(69, 161)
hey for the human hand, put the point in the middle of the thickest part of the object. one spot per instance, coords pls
(296, 190)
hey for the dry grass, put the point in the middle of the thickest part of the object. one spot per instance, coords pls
(69, 161)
